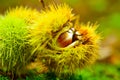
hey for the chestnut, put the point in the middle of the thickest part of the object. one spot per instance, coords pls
(68, 37)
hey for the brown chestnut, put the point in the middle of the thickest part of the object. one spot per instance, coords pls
(68, 37)
(65, 38)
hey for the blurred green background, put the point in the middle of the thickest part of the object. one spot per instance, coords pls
(107, 14)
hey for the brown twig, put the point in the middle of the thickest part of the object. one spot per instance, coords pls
(42, 2)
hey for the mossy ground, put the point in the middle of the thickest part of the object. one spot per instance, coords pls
(100, 71)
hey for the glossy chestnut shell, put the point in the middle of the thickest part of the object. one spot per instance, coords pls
(68, 37)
